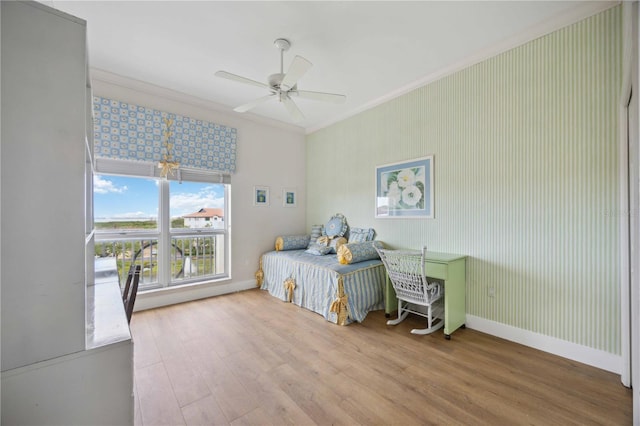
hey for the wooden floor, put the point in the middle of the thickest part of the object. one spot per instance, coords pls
(250, 359)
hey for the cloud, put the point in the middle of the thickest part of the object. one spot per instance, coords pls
(185, 203)
(105, 186)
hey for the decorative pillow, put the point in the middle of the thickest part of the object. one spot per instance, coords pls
(316, 232)
(292, 242)
(335, 244)
(323, 241)
(318, 250)
(358, 252)
(360, 235)
(336, 227)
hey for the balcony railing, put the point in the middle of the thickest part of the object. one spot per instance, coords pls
(192, 258)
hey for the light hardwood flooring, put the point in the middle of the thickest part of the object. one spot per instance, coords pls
(250, 359)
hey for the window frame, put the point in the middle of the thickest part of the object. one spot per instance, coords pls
(164, 233)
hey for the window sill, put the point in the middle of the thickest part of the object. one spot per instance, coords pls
(185, 286)
(156, 298)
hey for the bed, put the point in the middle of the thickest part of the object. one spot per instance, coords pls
(342, 286)
(340, 293)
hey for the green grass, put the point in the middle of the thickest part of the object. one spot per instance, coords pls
(133, 224)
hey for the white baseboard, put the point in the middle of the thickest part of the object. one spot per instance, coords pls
(171, 296)
(594, 357)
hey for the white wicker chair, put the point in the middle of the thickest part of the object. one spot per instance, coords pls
(406, 272)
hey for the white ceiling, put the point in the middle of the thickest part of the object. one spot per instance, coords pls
(369, 51)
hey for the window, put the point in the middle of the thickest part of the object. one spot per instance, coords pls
(177, 231)
(125, 203)
(194, 237)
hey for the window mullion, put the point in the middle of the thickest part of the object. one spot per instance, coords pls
(164, 239)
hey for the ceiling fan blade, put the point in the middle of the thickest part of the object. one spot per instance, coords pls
(319, 96)
(249, 105)
(240, 79)
(293, 109)
(298, 68)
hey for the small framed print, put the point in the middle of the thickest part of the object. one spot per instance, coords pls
(289, 197)
(260, 195)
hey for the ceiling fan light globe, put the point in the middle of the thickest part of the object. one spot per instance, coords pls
(275, 80)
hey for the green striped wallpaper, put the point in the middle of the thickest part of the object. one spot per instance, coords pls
(526, 168)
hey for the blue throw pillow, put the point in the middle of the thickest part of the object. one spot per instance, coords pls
(336, 226)
(316, 232)
(358, 252)
(360, 235)
(335, 243)
(318, 250)
(292, 242)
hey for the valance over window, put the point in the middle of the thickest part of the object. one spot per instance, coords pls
(130, 132)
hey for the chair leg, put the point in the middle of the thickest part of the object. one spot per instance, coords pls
(429, 330)
(402, 315)
(431, 327)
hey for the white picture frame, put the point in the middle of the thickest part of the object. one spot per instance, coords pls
(289, 197)
(261, 196)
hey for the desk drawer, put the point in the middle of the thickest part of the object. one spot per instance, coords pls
(436, 270)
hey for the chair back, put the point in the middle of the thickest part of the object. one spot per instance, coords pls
(406, 272)
(131, 290)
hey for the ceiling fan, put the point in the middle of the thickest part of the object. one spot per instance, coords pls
(284, 86)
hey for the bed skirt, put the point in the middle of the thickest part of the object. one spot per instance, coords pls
(340, 293)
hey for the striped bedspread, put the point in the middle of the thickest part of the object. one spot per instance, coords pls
(317, 280)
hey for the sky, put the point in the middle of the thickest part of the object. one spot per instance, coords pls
(119, 197)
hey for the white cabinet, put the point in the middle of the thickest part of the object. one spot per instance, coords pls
(49, 372)
(42, 165)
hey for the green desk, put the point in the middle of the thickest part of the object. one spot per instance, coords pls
(451, 268)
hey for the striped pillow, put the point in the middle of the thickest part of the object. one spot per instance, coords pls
(360, 235)
(316, 232)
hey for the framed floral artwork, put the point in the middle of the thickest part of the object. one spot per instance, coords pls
(405, 189)
(260, 195)
(289, 197)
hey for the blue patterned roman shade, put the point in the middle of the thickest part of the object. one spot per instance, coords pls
(125, 131)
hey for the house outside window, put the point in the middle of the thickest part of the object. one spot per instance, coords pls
(205, 218)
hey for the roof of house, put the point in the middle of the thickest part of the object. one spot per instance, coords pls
(207, 212)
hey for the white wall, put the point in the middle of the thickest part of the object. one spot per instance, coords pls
(269, 154)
